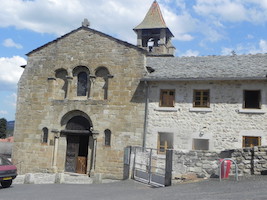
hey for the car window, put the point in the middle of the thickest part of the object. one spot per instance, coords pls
(4, 161)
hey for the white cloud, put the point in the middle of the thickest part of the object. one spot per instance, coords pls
(182, 25)
(10, 71)
(10, 43)
(3, 112)
(254, 11)
(43, 16)
(250, 48)
(249, 36)
(263, 46)
(226, 51)
(189, 53)
(61, 16)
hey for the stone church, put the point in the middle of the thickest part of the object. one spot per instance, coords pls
(85, 96)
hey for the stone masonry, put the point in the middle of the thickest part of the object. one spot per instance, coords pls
(224, 123)
(44, 102)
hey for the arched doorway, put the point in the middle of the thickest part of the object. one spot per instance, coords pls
(77, 131)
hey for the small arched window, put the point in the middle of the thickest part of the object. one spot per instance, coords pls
(61, 76)
(102, 72)
(82, 85)
(45, 135)
(107, 137)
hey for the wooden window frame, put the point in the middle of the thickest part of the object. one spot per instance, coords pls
(164, 146)
(245, 106)
(251, 137)
(202, 103)
(170, 102)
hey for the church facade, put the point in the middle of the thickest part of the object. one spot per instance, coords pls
(86, 96)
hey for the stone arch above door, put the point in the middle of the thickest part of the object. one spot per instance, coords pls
(78, 119)
(77, 128)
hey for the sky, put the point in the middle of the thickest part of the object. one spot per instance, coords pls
(200, 28)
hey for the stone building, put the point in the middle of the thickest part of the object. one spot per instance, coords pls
(86, 96)
(207, 103)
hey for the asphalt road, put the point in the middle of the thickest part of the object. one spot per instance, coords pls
(254, 188)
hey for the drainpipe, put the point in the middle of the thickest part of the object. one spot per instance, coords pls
(146, 113)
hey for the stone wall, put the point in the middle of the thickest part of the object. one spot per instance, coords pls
(202, 163)
(250, 161)
(224, 123)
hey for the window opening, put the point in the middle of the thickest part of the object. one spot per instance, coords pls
(200, 144)
(107, 137)
(252, 99)
(82, 85)
(45, 135)
(165, 141)
(167, 98)
(201, 98)
(249, 141)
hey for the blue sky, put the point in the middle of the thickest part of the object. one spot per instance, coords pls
(200, 27)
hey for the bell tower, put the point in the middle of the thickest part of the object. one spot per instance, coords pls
(153, 33)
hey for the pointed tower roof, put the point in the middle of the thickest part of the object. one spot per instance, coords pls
(153, 18)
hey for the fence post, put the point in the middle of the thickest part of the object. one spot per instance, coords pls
(168, 167)
(127, 162)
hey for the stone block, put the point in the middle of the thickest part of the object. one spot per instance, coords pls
(59, 178)
(97, 179)
(29, 178)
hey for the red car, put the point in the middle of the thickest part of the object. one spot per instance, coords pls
(8, 172)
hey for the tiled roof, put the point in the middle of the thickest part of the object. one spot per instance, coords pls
(236, 67)
(153, 18)
(9, 139)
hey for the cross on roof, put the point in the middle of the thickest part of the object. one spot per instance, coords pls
(85, 23)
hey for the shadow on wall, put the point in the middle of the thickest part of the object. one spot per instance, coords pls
(139, 94)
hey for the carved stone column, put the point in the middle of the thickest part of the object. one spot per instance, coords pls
(54, 164)
(95, 135)
(51, 86)
(69, 80)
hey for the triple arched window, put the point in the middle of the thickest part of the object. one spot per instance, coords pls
(80, 82)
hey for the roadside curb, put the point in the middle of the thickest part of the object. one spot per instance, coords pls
(59, 178)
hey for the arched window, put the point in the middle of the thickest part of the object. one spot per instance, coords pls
(45, 135)
(107, 137)
(61, 76)
(82, 84)
(102, 72)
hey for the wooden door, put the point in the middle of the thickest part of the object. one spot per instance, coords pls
(81, 165)
(72, 153)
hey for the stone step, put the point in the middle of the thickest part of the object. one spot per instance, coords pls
(46, 178)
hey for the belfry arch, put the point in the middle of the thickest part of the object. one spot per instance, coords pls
(77, 129)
